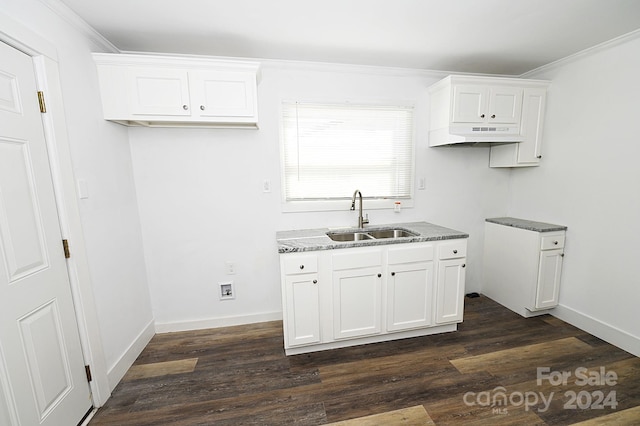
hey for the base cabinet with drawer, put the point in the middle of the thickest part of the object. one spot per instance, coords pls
(300, 281)
(345, 297)
(523, 267)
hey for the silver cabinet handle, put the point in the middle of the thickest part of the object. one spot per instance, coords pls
(201, 107)
(379, 275)
(464, 265)
(393, 274)
(455, 252)
(482, 116)
(539, 156)
(493, 116)
(301, 266)
(315, 281)
(185, 107)
(555, 243)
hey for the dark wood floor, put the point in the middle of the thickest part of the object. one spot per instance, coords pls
(240, 375)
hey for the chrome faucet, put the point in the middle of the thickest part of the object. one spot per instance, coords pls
(361, 221)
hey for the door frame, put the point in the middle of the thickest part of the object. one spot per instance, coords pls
(45, 59)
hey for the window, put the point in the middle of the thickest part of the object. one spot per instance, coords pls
(329, 150)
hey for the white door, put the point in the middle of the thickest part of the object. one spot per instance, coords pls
(409, 295)
(42, 377)
(469, 104)
(159, 92)
(356, 302)
(302, 309)
(223, 94)
(505, 105)
(450, 291)
(548, 288)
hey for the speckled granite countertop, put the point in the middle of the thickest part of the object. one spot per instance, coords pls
(529, 225)
(317, 239)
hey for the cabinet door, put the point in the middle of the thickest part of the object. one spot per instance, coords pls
(505, 105)
(161, 91)
(302, 309)
(450, 290)
(409, 295)
(530, 149)
(469, 104)
(356, 302)
(223, 94)
(549, 273)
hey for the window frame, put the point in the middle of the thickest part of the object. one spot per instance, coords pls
(338, 204)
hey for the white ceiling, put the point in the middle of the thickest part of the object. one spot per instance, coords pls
(478, 36)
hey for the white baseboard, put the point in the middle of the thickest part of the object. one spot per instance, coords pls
(169, 327)
(606, 332)
(117, 372)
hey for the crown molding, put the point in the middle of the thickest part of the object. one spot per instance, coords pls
(583, 53)
(73, 19)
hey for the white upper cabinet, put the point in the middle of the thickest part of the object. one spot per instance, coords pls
(505, 113)
(529, 151)
(486, 104)
(163, 91)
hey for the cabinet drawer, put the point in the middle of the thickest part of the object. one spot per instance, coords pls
(453, 250)
(300, 264)
(549, 242)
(410, 254)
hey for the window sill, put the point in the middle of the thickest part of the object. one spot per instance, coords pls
(338, 205)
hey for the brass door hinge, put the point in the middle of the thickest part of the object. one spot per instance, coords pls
(43, 106)
(65, 246)
(87, 369)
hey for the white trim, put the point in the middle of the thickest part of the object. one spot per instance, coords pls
(604, 331)
(79, 24)
(583, 53)
(169, 327)
(55, 128)
(117, 371)
(445, 328)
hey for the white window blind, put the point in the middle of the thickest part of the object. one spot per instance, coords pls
(329, 150)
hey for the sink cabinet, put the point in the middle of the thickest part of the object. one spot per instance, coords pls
(364, 295)
(410, 294)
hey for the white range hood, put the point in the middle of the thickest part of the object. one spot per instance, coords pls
(475, 135)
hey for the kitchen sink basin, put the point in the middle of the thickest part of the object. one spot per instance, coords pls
(391, 233)
(370, 235)
(349, 236)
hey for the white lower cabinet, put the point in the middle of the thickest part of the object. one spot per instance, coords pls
(345, 297)
(522, 268)
(302, 299)
(451, 276)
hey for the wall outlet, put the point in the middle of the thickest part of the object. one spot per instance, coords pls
(230, 267)
(226, 291)
(266, 185)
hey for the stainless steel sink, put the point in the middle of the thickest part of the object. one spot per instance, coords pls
(370, 235)
(349, 236)
(391, 233)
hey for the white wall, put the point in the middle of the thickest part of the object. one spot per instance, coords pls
(201, 201)
(101, 156)
(589, 180)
